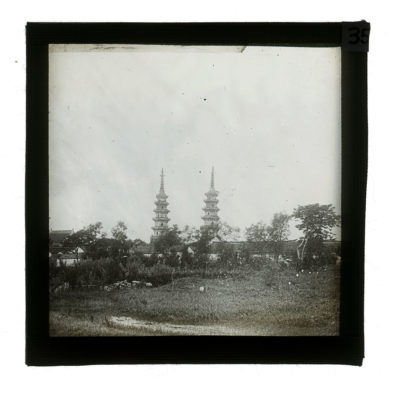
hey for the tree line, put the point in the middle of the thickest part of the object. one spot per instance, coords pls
(315, 221)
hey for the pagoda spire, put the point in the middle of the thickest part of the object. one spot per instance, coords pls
(162, 181)
(161, 211)
(210, 217)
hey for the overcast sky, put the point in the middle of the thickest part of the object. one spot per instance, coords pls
(267, 118)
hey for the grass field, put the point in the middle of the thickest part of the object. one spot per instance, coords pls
(285, 302)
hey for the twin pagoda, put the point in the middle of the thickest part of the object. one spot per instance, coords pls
(210, 217)
(161, 211)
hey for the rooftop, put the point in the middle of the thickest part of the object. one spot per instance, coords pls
(59, 236)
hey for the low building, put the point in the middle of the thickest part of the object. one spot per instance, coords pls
(70, 258)
(67, 260)
(142, 248)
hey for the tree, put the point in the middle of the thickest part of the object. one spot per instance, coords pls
(102, 248)
(138, 242)
(120, 244)
(226, 252)
(186, 258)
(203, 243)
(258, 233)
(167, 240)
(316, 222)
(85, 238)
(189, 234)
(119, 232)
(278, 232)
(228, 233)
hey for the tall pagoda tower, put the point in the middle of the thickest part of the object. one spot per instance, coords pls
(210, 218)
(161, 211)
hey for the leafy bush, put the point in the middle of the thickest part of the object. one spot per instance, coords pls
(172, 260)
(56, 275)
(319, 255)
(112, 270)
(106, 271)
(200, 262)
(186, 258)
(71, 276)
(87, 273)
(150, 261)
(161, 274)
(136, 269)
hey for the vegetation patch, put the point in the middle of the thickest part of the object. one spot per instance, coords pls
(292, 303)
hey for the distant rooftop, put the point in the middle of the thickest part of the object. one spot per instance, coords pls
(59, 235)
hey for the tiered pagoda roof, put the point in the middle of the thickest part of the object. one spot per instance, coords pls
(210, 217)
(161, 211)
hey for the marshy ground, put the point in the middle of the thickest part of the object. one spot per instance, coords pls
(285, 302)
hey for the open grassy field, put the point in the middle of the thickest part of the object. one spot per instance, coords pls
(284, 302)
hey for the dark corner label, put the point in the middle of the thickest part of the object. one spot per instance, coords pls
(355, 36)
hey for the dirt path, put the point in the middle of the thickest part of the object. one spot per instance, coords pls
(62, 324)
(175, 329)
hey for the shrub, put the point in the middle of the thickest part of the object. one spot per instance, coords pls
(161, 274)
(71, 276)
(257, 264)
(91, 272)
(186, 259)
(228, 255)
(152, 260)
(319, 255)
(56, 274)
(108, 270)
(136, 269)
(172, 260)
(200, 262)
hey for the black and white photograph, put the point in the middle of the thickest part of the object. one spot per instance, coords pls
(194, 190)
(199, 200)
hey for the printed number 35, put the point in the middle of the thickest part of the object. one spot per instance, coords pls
(358, 35)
